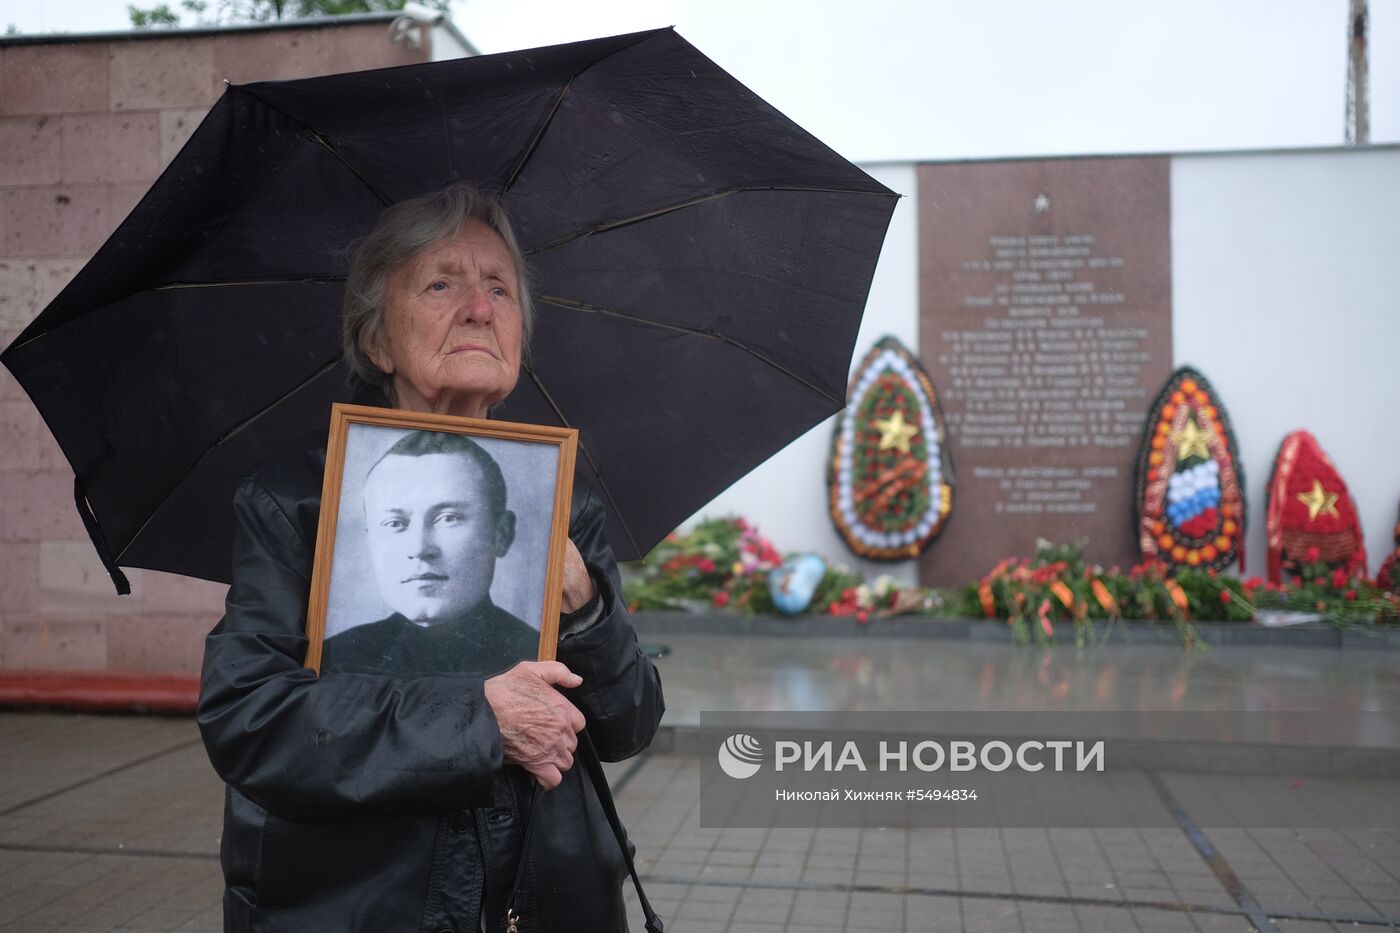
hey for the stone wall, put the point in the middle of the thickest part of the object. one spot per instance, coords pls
(85, 126)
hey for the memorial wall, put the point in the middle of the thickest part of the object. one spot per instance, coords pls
(1268, 271)
(1045, 321)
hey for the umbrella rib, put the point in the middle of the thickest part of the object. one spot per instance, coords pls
(610, 225)
(572, 305)
(529, 151)
(318, 137)
(559, 413)
(231, 432)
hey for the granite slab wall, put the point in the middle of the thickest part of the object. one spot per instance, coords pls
(85, 126)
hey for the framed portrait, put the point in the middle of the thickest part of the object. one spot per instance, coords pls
(441, 543)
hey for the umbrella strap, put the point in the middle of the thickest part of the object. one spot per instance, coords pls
(99, 540)
(513, 918)
(589, 756)
(600, 783)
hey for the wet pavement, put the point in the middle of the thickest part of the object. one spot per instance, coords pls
(705, 672)
(111, 823)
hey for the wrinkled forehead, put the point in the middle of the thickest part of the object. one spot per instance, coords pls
(474, 247)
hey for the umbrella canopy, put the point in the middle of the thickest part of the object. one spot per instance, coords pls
(700, 262)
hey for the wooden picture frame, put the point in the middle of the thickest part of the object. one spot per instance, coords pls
(458, 574)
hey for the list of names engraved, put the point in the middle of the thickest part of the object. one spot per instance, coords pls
(1039, 366)
(1046, 327)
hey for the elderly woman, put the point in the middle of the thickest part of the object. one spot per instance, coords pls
(365, 802)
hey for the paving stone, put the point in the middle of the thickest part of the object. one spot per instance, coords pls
(1222, 923)
(1048, 918)
(881, 863)
(819, 907)
(787, 840)
(988, 916)
(765, 874)
(707, 926)
(1304, 926)
(825, 876)
(926, 914)
(761, 913)
(1045, 888)
(880, 879)
(1161, 921)
(703, 910)
(831, 862)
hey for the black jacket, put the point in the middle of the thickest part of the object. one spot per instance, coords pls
(483, 641)
(361, 802)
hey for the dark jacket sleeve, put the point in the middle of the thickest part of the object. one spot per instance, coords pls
(303, 746)
(621, 691)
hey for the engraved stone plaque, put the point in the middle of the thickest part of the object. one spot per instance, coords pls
(1045, 322)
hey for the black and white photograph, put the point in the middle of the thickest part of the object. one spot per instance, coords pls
(440, 554)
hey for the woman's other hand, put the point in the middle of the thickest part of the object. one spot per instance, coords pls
(539, 728)
(578, 584)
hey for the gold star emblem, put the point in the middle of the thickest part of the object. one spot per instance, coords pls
(1319, 501)
(894, 432)
(1191, 441)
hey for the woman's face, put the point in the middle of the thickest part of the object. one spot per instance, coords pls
(452, 327)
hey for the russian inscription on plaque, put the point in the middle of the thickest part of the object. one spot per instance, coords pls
(1045, 321)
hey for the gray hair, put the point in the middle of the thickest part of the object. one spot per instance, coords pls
(403, 233)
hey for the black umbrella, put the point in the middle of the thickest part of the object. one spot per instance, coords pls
(701, 265)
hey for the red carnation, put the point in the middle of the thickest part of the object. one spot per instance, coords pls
(1339, 578)
(721, 599)
(705, 565)
(1350, 594)
(1312, 555)
(1226, 596)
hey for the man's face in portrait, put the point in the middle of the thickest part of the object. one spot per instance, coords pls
(433, 534)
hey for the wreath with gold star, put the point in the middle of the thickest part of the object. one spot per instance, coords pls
(890, 479)
(1190, 487)
(1311, 516)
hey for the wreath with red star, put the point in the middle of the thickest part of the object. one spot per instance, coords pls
(1388, 577)
(1311, 516)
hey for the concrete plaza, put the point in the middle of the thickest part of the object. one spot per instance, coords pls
(111, 823)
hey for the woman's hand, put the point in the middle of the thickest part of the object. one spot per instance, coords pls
(578, 584)
(539, 728)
